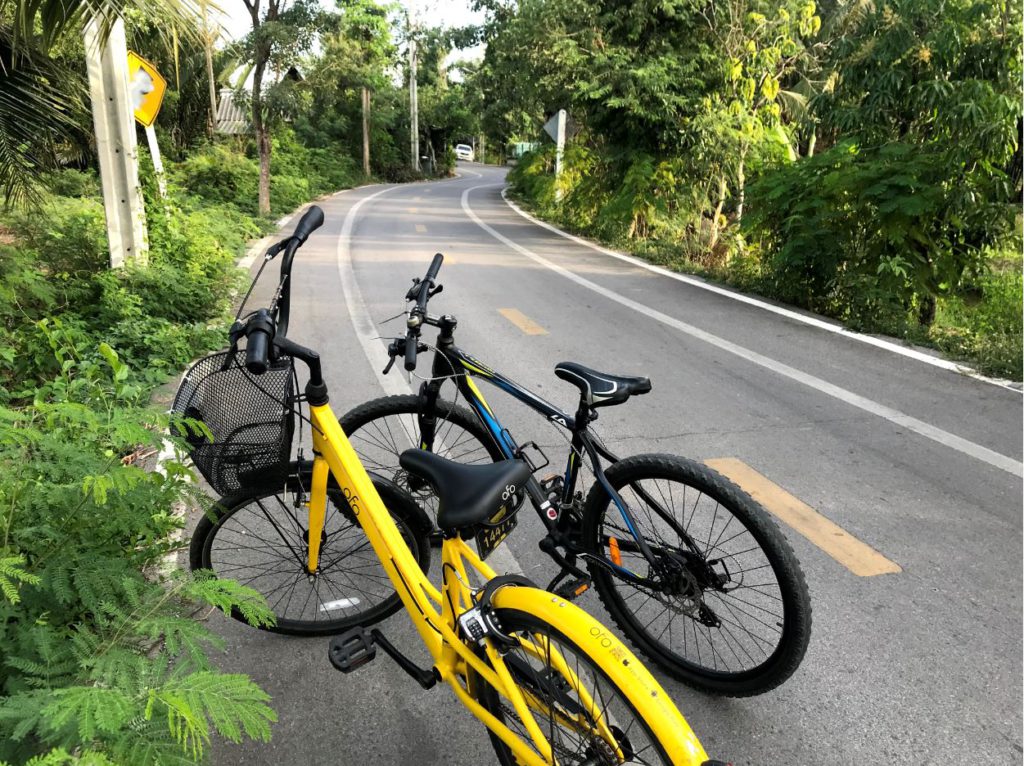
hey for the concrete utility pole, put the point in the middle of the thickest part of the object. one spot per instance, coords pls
(113, 118)
(414, 107)
(366, 131)
(211, 121)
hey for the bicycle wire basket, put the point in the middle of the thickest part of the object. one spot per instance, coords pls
(251, 419)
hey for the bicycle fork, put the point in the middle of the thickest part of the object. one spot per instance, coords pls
(317, 505)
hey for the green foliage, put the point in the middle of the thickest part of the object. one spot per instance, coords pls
(218, 174)
(986, 328)
(859, 228)
(859, 159)
(101, 656)
(60, 290)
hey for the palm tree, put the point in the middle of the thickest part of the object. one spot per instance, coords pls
(43, 101)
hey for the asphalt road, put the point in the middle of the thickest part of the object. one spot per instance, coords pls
(921, 666)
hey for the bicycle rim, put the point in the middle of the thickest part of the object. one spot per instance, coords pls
(380, 431)
(743, 634)
(260, 540)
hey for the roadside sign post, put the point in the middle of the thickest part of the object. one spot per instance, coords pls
(115, 143)
(146, 88)
(555, 127)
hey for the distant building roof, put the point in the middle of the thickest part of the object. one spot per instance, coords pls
(231, 120)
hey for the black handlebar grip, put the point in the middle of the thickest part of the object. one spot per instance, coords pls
(435, 266)
(310, 222)
(410, 354)
(256, 350)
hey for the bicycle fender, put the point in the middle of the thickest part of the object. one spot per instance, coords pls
(621, 665)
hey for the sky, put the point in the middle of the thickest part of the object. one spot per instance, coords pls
(445, 13)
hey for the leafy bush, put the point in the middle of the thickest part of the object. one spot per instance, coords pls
(73, 183)
(988, 328)
(157, 315)
(217, 174)
(99, 658)
(870, 234)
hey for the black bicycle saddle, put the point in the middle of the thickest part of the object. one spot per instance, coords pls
(601, 389)
(467, 494)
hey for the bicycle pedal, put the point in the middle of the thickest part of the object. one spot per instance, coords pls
(351, 650)
(572, 589)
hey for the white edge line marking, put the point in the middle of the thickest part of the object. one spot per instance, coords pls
(260, 245)
(820, 324)
(927, 430)
(502, 559)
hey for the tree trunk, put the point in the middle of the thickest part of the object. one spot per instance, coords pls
(718, 214)
(741, 186)
(262, 135)
(211, 122)
(366, 132)
(926, 310)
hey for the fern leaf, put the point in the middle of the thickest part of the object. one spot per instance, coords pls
(12, 574)
(232, 704)
(227, 595)
(92, 709)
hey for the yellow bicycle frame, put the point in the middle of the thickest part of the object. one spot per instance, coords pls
(435, 613)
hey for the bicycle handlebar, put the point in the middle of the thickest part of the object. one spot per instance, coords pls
(310, 222)
(259, 333)
(268, 326)
(420, 292)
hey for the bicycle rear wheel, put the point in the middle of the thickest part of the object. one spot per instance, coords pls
(260, 538)
(734, 617)
(587, 715)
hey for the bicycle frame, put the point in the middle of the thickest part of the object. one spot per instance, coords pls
(452, 362)
(434, 612)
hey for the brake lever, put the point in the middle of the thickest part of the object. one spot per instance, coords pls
(397, 348)
(394, 352)
(274, 250)
(414, 290)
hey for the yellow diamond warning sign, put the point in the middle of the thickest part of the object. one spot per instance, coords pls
(145, 89)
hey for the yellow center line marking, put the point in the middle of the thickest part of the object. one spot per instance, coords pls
(859, 557)
(421, 228)
(523, 322)
(413, 210)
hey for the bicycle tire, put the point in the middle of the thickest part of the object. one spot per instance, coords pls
(340, 525)
(611, 674)
(379, 443)
(695, 606)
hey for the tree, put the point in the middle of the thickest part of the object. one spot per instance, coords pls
(280, 33)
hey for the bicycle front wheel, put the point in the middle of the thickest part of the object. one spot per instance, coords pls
(260, 538)
(382, 429)
(590, 697)
(729, 611)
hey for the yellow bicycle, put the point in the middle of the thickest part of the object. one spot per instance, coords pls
(550, 683)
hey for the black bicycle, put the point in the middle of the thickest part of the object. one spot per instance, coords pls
(688, 565)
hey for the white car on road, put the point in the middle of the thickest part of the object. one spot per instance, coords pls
(464, 152)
